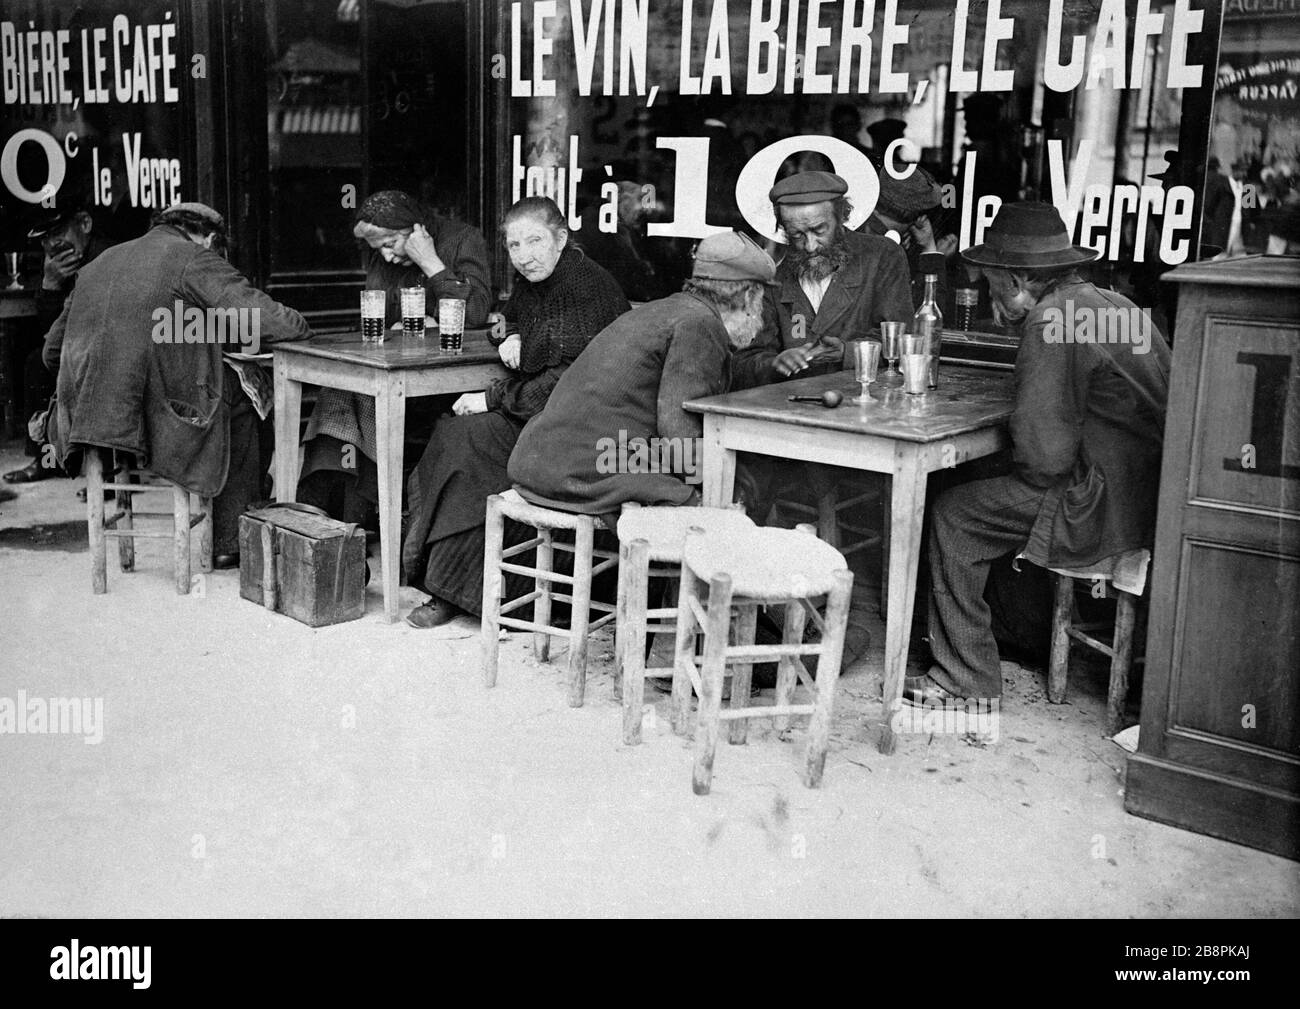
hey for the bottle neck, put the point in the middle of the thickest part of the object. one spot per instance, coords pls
(931, 283)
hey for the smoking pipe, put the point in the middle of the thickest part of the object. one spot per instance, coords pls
(829, 399)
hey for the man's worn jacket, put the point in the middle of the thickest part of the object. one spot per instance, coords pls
(1089, 424)
(872, 286)
(120, 389)
(624, 390)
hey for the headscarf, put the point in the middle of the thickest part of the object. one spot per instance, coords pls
(392, 209)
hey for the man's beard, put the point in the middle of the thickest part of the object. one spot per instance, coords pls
(820, 264)
(742, 327)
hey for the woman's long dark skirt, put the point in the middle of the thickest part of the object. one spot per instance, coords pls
(464, 463)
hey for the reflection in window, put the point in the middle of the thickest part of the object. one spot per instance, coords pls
(313, 132)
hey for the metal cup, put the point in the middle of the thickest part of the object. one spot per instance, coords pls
(374, 301)
(916, 373)
(915, 343)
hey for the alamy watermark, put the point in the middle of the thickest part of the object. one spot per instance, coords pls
(1094, 324)
(183, 323)
(68, 716)
(951, 716)
(677, 456)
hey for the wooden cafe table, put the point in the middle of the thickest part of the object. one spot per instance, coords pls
(905, 437)
(390, 372)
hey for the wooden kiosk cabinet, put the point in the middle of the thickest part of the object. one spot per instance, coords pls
(1219, 749)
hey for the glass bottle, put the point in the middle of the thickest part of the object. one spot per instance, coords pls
(928, 320)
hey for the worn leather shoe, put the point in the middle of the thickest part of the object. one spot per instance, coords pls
(922, 690)
(224, 562)
(432, 614)
(30, 473)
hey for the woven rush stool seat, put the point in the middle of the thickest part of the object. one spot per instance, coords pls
(650, 536)
(128, 482)
(1124, 576)
(497, 563)
(777, 564)
(746, 569)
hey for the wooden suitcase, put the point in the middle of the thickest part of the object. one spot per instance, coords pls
(295, 560)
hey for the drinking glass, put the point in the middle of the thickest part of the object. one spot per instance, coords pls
(11, 258)
(891, 337)
(866, 362)
(451, 325)
(373, 304)
(413, 311)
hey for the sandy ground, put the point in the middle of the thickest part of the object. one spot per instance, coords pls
(250, 765)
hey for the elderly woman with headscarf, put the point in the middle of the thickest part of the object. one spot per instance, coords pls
(561, 299)
(409, 246)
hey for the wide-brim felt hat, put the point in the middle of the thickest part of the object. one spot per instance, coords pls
(1026, 236)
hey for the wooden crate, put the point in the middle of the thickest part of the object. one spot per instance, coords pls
(306, 566)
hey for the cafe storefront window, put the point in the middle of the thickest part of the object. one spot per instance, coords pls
(670, 101)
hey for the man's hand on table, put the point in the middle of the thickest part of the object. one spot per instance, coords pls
(471, 402)
(797, 359)
(510, 351)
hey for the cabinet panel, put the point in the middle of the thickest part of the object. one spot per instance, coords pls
(1247, 429)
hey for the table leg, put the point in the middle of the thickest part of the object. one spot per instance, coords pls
(719, 464)
(390, 429)
(907, 513)
(288, 413)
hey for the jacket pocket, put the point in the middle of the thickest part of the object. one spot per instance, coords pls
(1081, 518)
(189, 447)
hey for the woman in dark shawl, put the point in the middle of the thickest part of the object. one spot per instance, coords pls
(560, 301)
(410, 246)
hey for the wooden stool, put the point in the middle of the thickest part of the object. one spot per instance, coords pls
(746, 569)
(1131, 569)
(121, 524)
(650, 543)
(835, 509)
(546, 521)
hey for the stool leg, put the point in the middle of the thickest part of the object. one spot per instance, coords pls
(583, 543)
(711, 674)
(684, 649)
(1125, 616)
(786, 675)
(1058, 665)
(490, 627)
(204, 505)
(828, 519)
(634, 593)
(181, 539)
(544, 561)
(620, 619)
(828, 671)
(744, 630)
(94, 469)
(125, 544)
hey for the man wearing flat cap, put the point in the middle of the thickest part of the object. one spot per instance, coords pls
(1092, 377)
(834, 284)
(141, 372)
(904, 208)
(629, 384)
(69, 240)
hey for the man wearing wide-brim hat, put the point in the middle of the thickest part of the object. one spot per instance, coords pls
(1092, 376)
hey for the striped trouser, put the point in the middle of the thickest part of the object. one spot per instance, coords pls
(971, 526)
